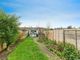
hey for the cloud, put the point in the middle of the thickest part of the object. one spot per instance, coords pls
(41, 12)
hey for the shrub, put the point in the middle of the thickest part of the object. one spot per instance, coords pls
(67, 51)
(60, 47)
(78, 54)
(9, 26)
(42, 37)
(70, 52)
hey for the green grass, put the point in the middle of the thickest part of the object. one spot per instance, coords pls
(27, 50)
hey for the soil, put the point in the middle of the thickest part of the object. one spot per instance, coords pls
(5, 53)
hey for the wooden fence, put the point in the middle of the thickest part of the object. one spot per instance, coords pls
(71, 36)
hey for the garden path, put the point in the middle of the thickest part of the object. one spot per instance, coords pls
(44, 49)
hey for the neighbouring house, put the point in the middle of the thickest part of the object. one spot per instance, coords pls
(33, 32)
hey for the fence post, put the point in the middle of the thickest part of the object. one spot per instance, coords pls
(54, 35)
(58, 36)
(64, 37)
(76, 38)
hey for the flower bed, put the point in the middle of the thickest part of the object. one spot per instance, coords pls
(66, 52)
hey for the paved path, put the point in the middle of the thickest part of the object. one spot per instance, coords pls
(44, 49)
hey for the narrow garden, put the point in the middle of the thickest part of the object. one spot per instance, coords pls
(15, 45)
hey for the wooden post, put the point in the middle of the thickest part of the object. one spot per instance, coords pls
(58, 36)
(53, 35)
(64, 37)
(76, 38)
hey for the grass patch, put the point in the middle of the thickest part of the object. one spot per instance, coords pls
(27, 50)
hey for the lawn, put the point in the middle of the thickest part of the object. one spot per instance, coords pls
(27, 50)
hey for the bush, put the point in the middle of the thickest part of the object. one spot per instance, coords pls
(42, 37)
(70, 52)
(67, 51)
(60, 47)
(9, 27)
(78, 54)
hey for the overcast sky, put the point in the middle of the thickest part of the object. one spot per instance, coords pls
(56, 13)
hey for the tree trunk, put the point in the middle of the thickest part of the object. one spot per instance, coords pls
(1, 47)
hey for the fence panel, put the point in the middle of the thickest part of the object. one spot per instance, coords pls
(78, 39)
(71, 36)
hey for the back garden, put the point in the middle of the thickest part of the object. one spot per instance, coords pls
(25, 47)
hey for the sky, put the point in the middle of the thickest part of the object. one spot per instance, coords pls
(41, 13)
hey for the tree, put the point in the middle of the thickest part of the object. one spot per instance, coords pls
(69, 27)
(8, 28)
